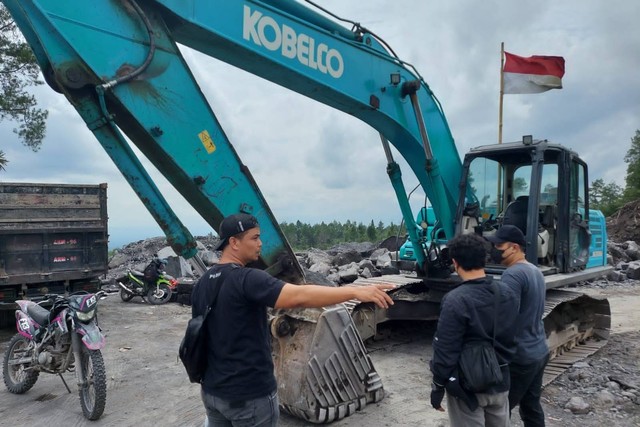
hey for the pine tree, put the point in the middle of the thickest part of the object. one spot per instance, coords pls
(372, 232)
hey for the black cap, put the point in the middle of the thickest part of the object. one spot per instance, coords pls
(233, 225)
(508, 233)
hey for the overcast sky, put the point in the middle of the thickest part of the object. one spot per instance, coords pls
(315, 164)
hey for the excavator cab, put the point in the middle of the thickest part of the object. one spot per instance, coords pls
(539, 187)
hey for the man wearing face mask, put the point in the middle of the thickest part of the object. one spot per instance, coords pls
(527, 367)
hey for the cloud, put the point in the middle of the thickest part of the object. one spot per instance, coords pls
(314, 163)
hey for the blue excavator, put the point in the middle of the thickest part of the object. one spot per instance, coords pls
(118, 63)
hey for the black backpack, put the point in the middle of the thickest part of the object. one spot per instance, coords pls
(151, 272)
(193, 348)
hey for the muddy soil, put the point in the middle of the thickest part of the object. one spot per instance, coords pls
(147, 385)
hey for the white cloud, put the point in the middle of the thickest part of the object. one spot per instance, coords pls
(314, 163)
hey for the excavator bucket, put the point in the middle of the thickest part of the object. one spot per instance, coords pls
(323, 369)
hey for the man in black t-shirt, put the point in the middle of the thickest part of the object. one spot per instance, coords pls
(239, 383)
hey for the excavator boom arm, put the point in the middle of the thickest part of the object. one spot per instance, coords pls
(118, 63)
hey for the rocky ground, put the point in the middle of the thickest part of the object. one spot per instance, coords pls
(603, 389)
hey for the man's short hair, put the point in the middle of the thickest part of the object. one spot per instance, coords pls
(469, 251)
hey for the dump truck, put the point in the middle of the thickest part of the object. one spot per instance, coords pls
(53, 239)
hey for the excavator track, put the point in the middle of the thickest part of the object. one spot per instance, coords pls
(576, 325)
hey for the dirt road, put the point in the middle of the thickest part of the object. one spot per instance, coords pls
(148, 387)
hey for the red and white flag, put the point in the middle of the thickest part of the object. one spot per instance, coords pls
(534, 74)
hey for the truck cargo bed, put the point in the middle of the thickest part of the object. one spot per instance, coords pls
(53, 239)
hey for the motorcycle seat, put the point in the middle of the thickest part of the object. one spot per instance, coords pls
(39, 314)
(137, 273)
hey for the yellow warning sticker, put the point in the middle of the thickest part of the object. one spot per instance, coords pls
(207, 141)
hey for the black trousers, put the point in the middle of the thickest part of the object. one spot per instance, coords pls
(526, 387)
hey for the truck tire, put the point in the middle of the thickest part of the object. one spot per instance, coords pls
(93, 395)
(16, 378)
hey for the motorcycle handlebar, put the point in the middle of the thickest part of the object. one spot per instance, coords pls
(46, 298)
(104, 294)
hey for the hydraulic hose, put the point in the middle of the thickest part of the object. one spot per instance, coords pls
(152, 49)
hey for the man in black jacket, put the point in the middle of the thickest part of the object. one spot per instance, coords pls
(467, 315)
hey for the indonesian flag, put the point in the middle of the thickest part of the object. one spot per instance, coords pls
(534, 74)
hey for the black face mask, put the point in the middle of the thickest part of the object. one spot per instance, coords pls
(496, 255)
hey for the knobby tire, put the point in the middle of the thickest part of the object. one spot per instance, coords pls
(17, 379)
(93, 394)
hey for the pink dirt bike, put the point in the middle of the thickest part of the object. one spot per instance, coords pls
(64, 338)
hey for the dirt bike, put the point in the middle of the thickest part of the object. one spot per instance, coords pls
(154, 284)
(63, 338)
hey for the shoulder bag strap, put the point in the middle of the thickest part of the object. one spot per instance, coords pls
(496, 297)
(216, 291)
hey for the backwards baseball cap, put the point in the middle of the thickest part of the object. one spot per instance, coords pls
(508, 233)
(234, 225)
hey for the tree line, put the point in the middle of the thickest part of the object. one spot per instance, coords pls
(302, 236)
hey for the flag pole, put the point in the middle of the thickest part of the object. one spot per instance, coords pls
(501, 92)
(499, 193)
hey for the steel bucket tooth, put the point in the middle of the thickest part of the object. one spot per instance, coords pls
(323, 369)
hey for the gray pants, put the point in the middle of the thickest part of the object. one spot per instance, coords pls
(492, 412)
(260, 412)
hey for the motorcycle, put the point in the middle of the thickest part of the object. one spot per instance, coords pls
(63, 338)
(154, 284)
